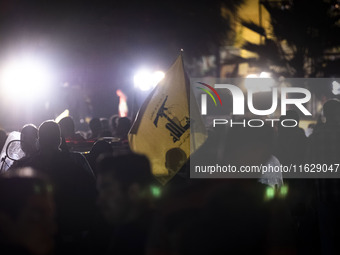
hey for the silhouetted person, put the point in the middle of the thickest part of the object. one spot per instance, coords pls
(70, 138)
(3, 137)
(324, 142)
(291, 150)
(324, 148)
(67, 129)
(28, 139)
(100, 147)
(233, 211)
(105, 128)
(292, 141)
(310, 129)
(96, 128)
(27, 224)
(125, 200)
(74, 186)
(113, 124)
(175, 160)
(28, 144)
(123, 128)
(105, 123)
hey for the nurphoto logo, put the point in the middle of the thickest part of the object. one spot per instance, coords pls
(238, 99)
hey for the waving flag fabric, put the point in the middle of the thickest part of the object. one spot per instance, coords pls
(166, 130)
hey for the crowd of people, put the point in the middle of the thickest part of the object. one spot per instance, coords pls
(57, 201)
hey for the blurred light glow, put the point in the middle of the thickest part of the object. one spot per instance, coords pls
(265, 75)
(156, 191)
(270, 193)
(122, 107)
(335, 88)
(24, 77)
(64, 114)
(158, 76)
(146, 80)
(26, 172)
(264, 84)
(284, 190)
(252, 76)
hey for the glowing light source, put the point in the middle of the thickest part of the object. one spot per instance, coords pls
(146, 80)
(158, 76)
(156, 191)
(64, 114)
(122, 107)
(259, 85)
(24, 77)
(270, 193)
(252, 76)
(284, 190)
(265, 75)
(335, 88)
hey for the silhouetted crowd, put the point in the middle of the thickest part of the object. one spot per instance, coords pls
(105, 200)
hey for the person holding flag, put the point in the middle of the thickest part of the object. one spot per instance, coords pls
(166, 122)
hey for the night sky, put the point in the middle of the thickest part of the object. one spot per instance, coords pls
(108, 39)
(99, 45)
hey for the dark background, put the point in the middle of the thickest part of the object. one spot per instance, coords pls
(97, 46)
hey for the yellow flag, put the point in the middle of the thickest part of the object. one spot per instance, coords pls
(166, 130)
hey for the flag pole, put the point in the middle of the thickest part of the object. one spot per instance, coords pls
(192, 124)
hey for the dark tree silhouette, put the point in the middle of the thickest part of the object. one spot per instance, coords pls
(304, 40)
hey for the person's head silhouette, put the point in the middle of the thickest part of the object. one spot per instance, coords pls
(49, 136)
(96, 127)
(175, 159)
(67, 127)
(113, 123)
(123, 127)
(331, 111)
(28, 139)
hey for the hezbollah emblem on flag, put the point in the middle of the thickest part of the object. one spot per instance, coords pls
(166, 130)
(175, 127)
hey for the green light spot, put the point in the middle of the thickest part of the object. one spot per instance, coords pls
(155, 191)
(49, 188)
(37, 189)
(270, 193)
(284, 191)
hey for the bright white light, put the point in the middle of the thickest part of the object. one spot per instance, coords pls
(64, 114)
(158, 76)
(265, 75)
(24, 78)
(252, 76)
(142, 80)
(264, 84)
(262, 75)
(335, 88)
(146, 80)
